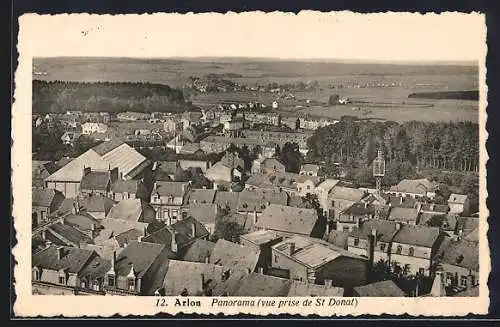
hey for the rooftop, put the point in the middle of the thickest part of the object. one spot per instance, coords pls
(288, 219)
(133, 210)
(70, 233)
(457, 198)
(96, 180)
(226, 199)
(97, 203)
(403, 214)
(201, 196)
(462, 253)
(386, 288)
(347, 193)
(234, 255)
(199, 251)
(45, 197)
(140, 254)
(415, 186)
(175, 189)
(307, 289)
(73, 259)
(260, 199)
(385, 230)
(255, 284)
(262, 236)
(417, 235)
(126, 186)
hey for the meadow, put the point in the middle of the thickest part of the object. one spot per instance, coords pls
(391, 103)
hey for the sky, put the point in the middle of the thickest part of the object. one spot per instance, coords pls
(308, 35)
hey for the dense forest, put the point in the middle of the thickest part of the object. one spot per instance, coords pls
(447, 95)
(59, 96)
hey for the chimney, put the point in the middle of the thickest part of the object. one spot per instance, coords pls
(207, 258)
(438, 289)
(193, 230)
(254, 216)
(292, 248)
(173, 243)
(365, 204)
(60, 252)
(113, 261)
(202, 281)
(145, 231)
(327, 228)
(398, 225)
(372, 239)
(139, 238)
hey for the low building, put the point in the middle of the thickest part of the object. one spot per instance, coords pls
(307, 184)
(67, 271)
(167, 198)
(255, 202)
(279, 181)
(354, 215)
(386, 288)
(98, 206)
(205, 213)
(340, 198)
(290, 221)
(199, 251)
(125, 189)
(459, 204)
(415, 188)
(44, 202)
(166, 170)
(69, 138)
(133, 210)
(262, 240)
(40, 170)
(318, 262)
(414, 247)
(97, 182)
(404, 215)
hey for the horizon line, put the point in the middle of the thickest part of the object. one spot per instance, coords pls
(451, 62)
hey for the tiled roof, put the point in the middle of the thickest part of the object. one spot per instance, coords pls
(403, 214)
(182, 230)
(466, 224)
(245, 221)
(385, 230)
(128, 236)
(461, 253)
(140, 254)
(70, 233)
(273, 180)
(73, 171)
(255, 284)
(201, 196)
(203, 212)
(439, 208)
(218, 172)
(175, 189)
(473, 235)
(309, 167)
(46, 197)
(73, 259)
(260, 199)
(416, 186)
(129, 186)
(82, 221)
(385, 288)
(288, 219)
(133, 210)
(457, 198)
(307, 289)
(227, 199)
(234, 255)
(328, 184)
(199, 251)
(314, 179)
(97, 267)
(97, 203)
(261, 236)
(347, 193)
(106, 147)
(358, 209)
(403, 202)
(169, 167)
(338, 238)
(417, 235)
(118, 226)
(96, 180)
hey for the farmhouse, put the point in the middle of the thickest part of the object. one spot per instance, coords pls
(415, 188)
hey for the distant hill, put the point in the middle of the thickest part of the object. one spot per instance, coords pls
(447, 95)
(59, 96)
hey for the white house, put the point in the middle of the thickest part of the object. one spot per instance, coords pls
(90, 128)
(275, 105)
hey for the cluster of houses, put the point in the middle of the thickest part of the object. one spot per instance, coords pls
(111, 221)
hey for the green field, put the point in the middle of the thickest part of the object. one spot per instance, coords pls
(391, 103)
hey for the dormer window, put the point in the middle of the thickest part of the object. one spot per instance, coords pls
(356, 241)
(62, 280)
(111, 281)
(382, 246)
(131, 284)
(36, 273)
(399, 249)
(411, 251)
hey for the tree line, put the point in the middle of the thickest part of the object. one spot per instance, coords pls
(61, 96)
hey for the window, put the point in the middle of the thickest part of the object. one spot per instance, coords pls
(308, 187)
(382, 246)
(421, 271)
(449, 279)
(83, 284)
(37, 274)
(111, 281)
(411, 251)
(275, 258)
(399, 249)
(463, 281)
(43, 215)
(62, 280)
(356, 241)
(131, 284)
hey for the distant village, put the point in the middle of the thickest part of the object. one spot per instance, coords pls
(115, 221)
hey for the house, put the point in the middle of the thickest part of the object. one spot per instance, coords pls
(105, 156)
(254, 202)
(323, 191)
(262, 240)
(205, 213)
(187, 164)
(337, 238)
(97, 206)
(126, 189)
(290, 221)
(279, 138)
(267, 166)
(133, 210)
(197, 196)
(458, 259)
(466, 225)
(318, 262)
(354, 215)
(404, 215)
(44, 202)
(167, 170)
(97, 182)
(459, 204)
(58, 270)
(69, 137)
(309, 170)
(275, 105)
(84, 223)
(132, 116)
(233, 126)
(279, 181)
(167, 199)
(257, 284)
(385, 288)
(63, 234)
(227, 200)
(234, 255)
(179, 236)
(341, 198)
(414, 247)
(172, 126)
(224, 172)
(135, 270)
(108, 245)
(373, 239)
(191, 118)
(415, 188)
(199, 251)
(90, 128)
(307, 184)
